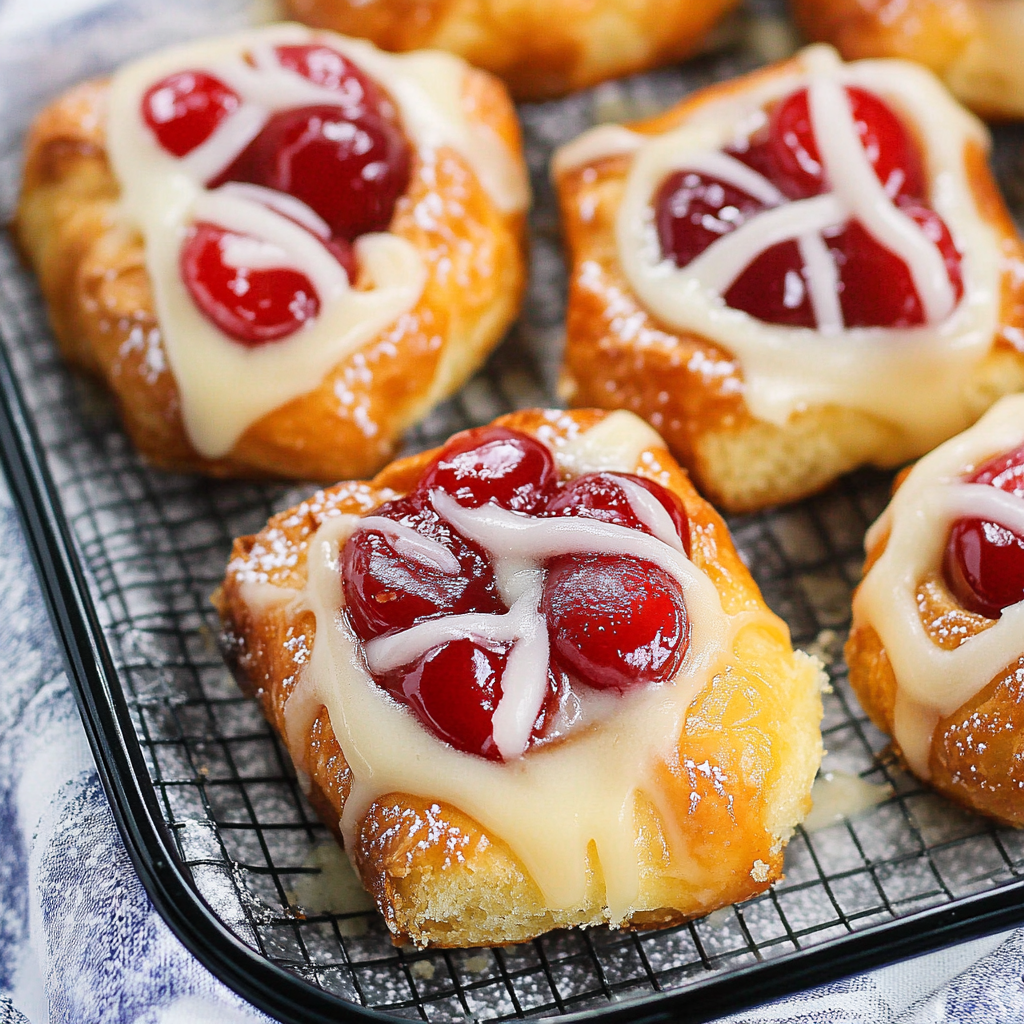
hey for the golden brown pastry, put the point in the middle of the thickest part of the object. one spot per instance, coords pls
(541, 49)
(936, 652)
(975, 46)
(514, 697)
(279, 249)
(792, 274)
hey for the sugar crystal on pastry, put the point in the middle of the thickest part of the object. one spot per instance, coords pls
(556, 652)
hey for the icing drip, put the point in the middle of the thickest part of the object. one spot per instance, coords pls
(933, 682)
(853, 179)
(787, 369)
(564, 800)
(412, 544)
(162, 195)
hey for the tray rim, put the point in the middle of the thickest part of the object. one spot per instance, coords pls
(286, 996)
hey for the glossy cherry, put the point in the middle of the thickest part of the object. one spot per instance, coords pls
(454, 690)
(184, 109)
(774, 288)
(251, 306)
(350, 169)
(693, 210)
(614, 622)
(495, 464)
(325, 67)
(386, 590)
(601, 496)
(984, 562)
(888, 145)
(876, 289)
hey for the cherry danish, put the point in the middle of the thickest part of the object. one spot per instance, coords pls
(760, 270)
(288, 248)
(688, 791)
(936, 646)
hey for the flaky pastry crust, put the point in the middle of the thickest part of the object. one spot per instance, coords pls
(740, 780)
(977, 752)
(975, 46)
(91, 269)
(690, 389)
(541, 49)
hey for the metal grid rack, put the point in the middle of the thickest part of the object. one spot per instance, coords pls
(154, 547)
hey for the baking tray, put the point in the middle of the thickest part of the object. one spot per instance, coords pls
(207, 800)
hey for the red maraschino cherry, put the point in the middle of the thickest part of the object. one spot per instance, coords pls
(601, 496)
(454, 690)
(324, 66)
(614, 622)
(350, 168)
(495, 464)
(889, 147)
(183, 110)
(984, 561)
(251, 306)
(386, 590)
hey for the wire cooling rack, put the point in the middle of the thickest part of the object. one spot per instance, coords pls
(152, 547)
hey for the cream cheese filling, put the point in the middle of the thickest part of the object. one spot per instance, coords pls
(932, 682)
(561, 805)
(787, 370)
(225, 387)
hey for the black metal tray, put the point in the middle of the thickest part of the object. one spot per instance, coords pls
(207, 800)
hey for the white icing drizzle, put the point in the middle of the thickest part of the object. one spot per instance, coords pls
(411, 544)
(933, 682)
(852, 177)
(785, 370)
(652, 514)
(823, 280)
(292, 208)
(723, 261)
(600, 143)
(226, 387)
(563, 800)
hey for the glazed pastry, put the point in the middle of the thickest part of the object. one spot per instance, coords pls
(280, 248)
(792, 274)
(541, 49)
(529, 683)
(936, 652)
(975, 46)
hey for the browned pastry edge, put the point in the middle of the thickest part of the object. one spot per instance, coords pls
(92, 273)
(618, 355)
(542, 50)
(755, 726)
